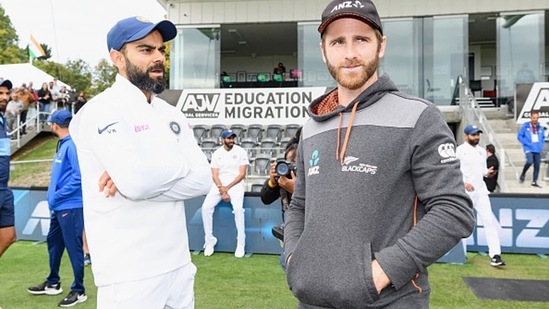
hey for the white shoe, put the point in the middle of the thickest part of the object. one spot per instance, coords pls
(239, 252)
(209, 247)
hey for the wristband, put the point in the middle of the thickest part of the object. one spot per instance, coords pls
(271, 184)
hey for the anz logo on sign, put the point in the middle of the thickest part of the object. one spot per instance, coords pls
(39, 222)
(523, 230)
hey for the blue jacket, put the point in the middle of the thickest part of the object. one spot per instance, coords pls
(65, 189)
(525, 138)
(5, 154)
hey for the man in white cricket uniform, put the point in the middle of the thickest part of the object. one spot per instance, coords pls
(473, 167)
(229, 165)
(139, 161)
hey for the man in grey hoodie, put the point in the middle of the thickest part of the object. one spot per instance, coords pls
(379, 193)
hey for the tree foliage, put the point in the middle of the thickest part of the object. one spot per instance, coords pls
(103, 77)
(76, 73)
(9, 50)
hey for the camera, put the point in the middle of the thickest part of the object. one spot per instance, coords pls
(285, 168)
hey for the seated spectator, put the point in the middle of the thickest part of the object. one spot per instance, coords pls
(279, 72)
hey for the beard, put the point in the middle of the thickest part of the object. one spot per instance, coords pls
(473, 142)
(3, 105)
(142, 80)
(228, 144)
(354, 81)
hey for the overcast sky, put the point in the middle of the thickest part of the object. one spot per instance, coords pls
(75, 29)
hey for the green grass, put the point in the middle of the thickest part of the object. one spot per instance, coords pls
(35, 174)
(222, 281)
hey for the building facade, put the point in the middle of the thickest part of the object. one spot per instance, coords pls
(493, 44)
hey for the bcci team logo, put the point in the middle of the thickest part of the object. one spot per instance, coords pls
(201, 105)
(313, 163)
(175, 127)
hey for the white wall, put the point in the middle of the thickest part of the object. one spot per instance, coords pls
(249, 11)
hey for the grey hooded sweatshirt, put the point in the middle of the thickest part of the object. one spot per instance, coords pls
(359, 171)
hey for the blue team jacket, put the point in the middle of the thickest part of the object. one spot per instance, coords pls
(65, 189)
(525, 138)
(5, 154)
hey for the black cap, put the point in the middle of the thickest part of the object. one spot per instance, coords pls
(361, 9)
(6, 83)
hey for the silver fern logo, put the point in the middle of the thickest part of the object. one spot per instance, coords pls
(349, 159)
(358, 168)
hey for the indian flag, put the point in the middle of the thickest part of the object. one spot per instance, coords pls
(35, 50)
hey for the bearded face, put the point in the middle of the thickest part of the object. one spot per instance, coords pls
(142, 80)
(4, 97)
(472, 139)
(228, 143)
(354, 80)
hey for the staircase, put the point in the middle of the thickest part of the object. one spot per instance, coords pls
(505, 129)
(34, 127)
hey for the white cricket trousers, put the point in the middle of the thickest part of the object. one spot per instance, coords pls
(172, 290)
(481, 203)
(213, 198)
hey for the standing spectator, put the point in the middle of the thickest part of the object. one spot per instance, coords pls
(473, 167)
(27, 98)
(532, 137)
(73, 96)
(139, 162)
(67, 219)
(371, 209)
(56, 95)
(12, 110)
(7, 219)
(80, 101)
(229, 165)
(44, 99)
(492, 162)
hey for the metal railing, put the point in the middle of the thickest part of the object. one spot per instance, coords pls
(472, 113)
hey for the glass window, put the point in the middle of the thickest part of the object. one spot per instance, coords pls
(313, 69)
(520, 49)
(445, 53)
(402, 54)
(196, 64)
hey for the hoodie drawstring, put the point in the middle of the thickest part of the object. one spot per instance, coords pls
(341, 155)
(419, 289)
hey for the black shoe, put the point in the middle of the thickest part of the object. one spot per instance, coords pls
(535, 184)
(46, 289)
(521, 179)
(497, 261)
(73, 298)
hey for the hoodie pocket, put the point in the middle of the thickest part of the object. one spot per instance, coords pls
(323, 276)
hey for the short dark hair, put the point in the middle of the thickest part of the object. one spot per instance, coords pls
(491, 148)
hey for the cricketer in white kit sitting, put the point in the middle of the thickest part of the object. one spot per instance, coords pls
(229, 165)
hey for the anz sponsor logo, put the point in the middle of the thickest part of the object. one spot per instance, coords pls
(314, 169)
(40, 218)
(447, 152)
(347, 4)
(201, 105)
(522, 230)
(358, 168)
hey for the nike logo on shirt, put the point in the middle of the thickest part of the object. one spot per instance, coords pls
(105, 128)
